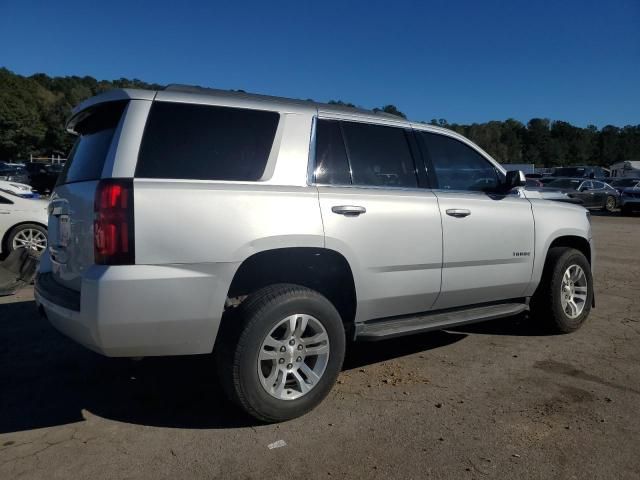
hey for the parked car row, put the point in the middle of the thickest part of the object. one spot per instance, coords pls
(23, 219)
(594, 193)
(42, 177)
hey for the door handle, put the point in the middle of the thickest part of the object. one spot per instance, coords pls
(458, 212)
(348, 210)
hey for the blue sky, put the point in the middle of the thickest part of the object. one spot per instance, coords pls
(466, 61)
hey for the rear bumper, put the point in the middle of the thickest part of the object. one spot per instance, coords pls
(140, 310)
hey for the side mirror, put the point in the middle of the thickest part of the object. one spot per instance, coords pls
(514, 178)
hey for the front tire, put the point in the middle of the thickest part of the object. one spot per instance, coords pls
(30, 236)
(280, 353)
(564, 297)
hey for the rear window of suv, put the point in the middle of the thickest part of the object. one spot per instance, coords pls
(95, 133)
(201, 142)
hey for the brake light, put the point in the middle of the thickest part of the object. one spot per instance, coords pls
(114, 242)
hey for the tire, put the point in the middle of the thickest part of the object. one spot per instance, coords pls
(610, 204)
(244, 336)
(547, 303)
(22, 233)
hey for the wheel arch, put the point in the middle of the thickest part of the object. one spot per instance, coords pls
(324, 270)
(571, 241)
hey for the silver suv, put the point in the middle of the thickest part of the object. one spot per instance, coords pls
(271, 232)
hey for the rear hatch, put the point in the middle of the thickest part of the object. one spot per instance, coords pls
(71, 210)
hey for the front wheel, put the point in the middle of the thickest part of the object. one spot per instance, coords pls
(31, 236)
(564, 297)
(281, 352)
(610, 204)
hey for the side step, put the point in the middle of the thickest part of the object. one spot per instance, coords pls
(388, 328)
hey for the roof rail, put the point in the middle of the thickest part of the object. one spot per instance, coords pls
(177, 87)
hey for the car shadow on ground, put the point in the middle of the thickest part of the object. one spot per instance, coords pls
(518, 326)
(48, 380)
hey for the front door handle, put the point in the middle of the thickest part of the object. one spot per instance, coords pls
(458, 212)
(348, 210)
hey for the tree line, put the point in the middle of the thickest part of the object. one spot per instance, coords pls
(33, 111)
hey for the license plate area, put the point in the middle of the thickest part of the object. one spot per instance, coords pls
(64, 230)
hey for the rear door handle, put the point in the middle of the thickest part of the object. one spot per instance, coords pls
(348, 210)
(458, 212)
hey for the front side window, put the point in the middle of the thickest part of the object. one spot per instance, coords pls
(202, 142)
(379, 155)
(458, 166)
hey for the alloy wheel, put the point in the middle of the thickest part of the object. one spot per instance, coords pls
(32, 239)
(293, 357)
(574, 289)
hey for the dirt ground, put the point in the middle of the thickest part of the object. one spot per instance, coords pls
(494, 400)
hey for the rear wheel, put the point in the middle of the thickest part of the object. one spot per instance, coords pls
(280, 353)
(30, 236)
(610, 204)
(565, 294)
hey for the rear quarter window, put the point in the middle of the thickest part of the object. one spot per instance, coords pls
(95, 134)
(202, 142)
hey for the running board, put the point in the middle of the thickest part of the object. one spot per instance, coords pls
(388, 328)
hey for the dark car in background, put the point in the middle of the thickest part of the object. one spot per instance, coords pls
(592, 193)
(13, 173)
(43, 177)
(581, 172)
(625, 182)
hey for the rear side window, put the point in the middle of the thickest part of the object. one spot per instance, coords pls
(332, 165)
(379, 155)
(95, 133)
(201, 142)
(458, 166)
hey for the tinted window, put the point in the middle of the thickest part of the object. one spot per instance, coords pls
(332, 166)
(88, 154)
(201, 142)
(458, 166)
(379, 156)
(564, 183)
(4, 201)
(586, 186)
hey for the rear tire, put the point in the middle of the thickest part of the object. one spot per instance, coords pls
(564, 297)
(610, 204)
(255, 339)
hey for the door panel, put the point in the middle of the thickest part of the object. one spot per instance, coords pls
(394, 248)
(487, 254)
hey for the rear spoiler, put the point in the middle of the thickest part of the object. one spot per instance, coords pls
(119, 94)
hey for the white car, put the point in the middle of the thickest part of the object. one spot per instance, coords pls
(23, 219)
(21, 189)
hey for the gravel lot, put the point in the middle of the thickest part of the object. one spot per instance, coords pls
(495, 400)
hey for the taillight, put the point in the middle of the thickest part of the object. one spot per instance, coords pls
(114, 242)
